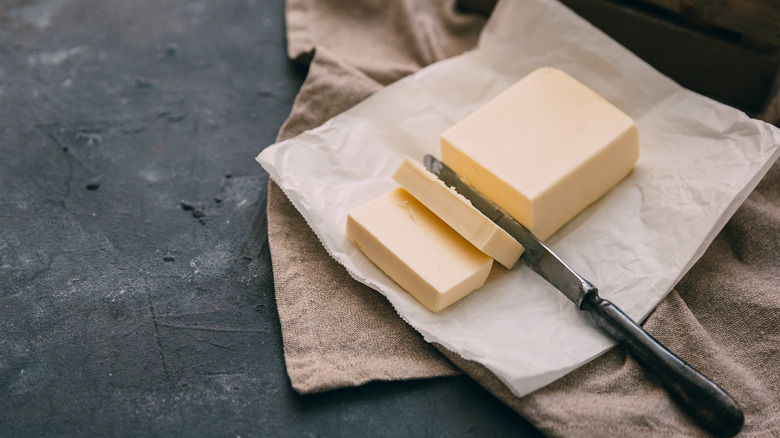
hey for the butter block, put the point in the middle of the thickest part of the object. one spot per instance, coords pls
(415, 248)
(544, 149)
(458, 213)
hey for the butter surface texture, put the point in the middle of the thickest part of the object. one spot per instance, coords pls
(544, 149)
(415, 248)
(458, 213)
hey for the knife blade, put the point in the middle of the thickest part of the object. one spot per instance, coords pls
(708, 403)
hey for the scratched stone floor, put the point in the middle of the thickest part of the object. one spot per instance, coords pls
(136, 295)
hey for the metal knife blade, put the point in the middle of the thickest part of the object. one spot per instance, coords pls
(713, 407)
(536, 255)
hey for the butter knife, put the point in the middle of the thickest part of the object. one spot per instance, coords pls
(709, 404)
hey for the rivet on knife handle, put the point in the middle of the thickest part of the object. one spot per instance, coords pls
(709, 404)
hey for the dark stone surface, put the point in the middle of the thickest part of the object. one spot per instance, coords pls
(136, 292)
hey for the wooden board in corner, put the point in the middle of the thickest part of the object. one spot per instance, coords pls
(720, 48)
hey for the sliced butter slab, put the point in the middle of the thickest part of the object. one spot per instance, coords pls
(458, 213)
(415, 248)
(544, 149)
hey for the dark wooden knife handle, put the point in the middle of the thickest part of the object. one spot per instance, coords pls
(715, 409)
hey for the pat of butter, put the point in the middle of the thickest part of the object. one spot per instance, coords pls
(458, 213)
(415, 248)
(544, 149)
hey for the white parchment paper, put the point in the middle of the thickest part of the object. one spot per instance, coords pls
(699, 161)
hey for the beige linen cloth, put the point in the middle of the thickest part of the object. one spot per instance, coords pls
(723, 317)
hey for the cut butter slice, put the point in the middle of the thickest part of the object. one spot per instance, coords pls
(544, 149)
(458, 213)
(415, 248)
